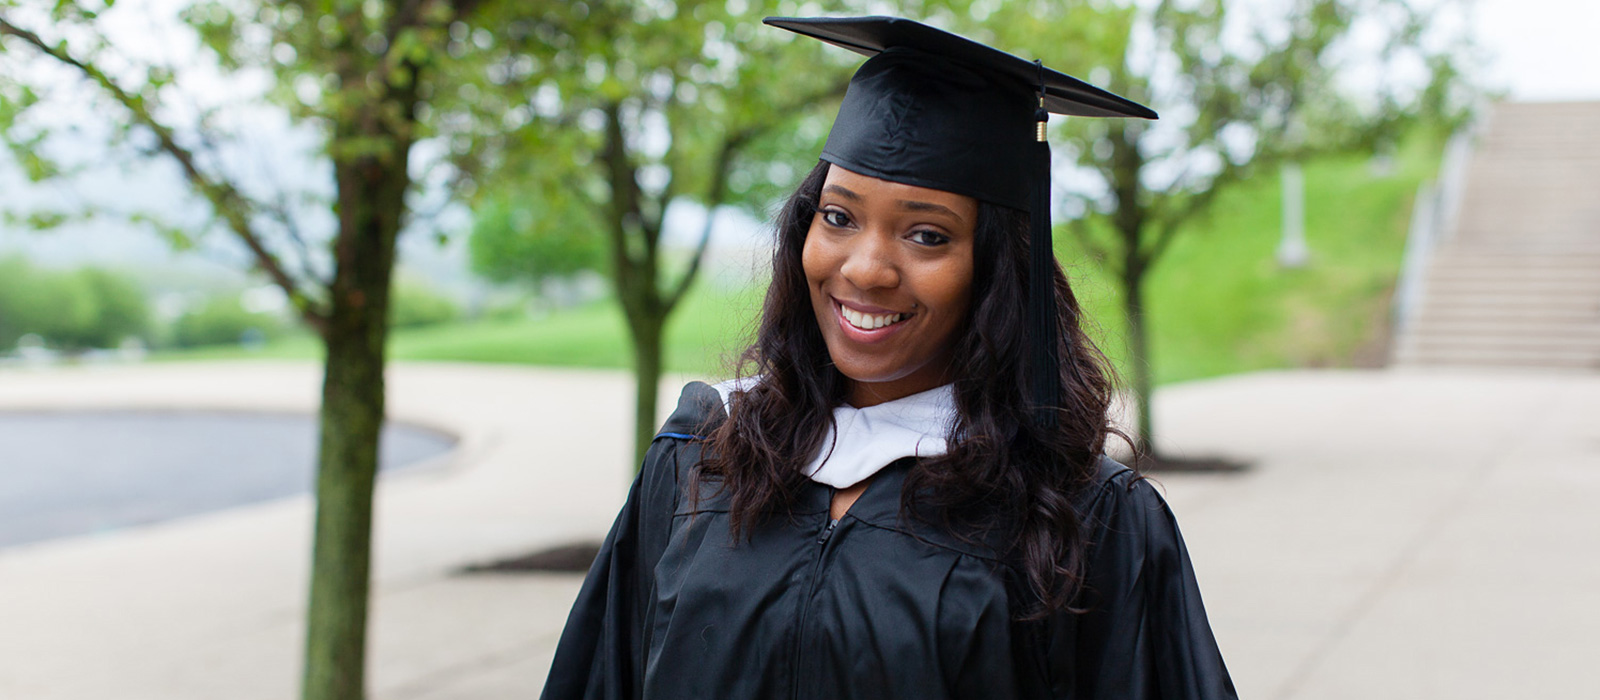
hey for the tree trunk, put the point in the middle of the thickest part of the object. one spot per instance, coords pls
(1127, 162)
(647, 333)
(347, 464)
(371, 202)
(1138, 351)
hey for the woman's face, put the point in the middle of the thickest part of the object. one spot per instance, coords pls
(889, 267)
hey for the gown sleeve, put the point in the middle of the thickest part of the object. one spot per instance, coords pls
(1143, 632)
(601, 654)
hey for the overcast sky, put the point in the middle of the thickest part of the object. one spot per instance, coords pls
(1542, 49)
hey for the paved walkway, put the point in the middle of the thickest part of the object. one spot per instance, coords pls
(1401, 535)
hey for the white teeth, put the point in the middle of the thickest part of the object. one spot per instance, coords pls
(869, 322)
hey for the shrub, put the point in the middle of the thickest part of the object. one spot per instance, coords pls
(414, 304)
(70, 310)
(223, 320)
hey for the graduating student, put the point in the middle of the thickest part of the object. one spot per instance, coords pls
(906, 497)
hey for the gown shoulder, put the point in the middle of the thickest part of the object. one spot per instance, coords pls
(676, 447)
(1138, 628)
(699, 412)
(601, 650)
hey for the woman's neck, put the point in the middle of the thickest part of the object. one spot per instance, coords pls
(864, 394)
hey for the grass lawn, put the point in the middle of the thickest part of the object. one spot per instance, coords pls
(703, 332)
(703, 336)
(1218, 301)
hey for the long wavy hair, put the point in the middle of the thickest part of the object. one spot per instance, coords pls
(1002, 475)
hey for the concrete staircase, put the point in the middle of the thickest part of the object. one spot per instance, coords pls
(1515, 281)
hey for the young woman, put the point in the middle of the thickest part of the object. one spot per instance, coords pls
(907, 496)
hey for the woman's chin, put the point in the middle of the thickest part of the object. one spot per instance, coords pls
(871, 384)
(866, 368)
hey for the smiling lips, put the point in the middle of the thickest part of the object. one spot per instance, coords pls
(861, 321)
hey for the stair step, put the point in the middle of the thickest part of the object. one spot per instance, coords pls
(1517, 283)
(1485, 284)
(1472, 314)
(1514, 273)
(1511, 353)
(1529, 252)
(1589, 328)
(1440, 297)
(1499, 360)
(1525, 170)
(1533, 230)
(1575, 343)
(1558, 288)
(1430, 301)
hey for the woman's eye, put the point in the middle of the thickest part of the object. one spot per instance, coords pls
(929, 238)
(835, 218)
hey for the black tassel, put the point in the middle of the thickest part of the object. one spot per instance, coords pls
(1045, 372)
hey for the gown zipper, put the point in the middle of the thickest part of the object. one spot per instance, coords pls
(828, 532)
(805, 605)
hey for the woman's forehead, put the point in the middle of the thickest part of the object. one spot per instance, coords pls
(853, 185)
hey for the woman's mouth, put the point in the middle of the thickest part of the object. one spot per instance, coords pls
(868, 326)
(869, 322)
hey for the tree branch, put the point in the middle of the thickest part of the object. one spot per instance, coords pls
(1079, 228)
(624, 198)
(279, 211)
(407, 16)
(410, 14)
(716, 194)
(1167, 230)
(464, 8)
(226, 200)
(718, 189)
(1171, 219)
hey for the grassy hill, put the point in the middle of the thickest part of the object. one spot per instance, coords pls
(1219, 302)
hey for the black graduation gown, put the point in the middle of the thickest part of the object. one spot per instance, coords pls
(872, 607)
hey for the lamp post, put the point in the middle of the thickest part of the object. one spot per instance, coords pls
(1292, 250)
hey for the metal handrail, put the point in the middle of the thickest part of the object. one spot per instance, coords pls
(1434, 217)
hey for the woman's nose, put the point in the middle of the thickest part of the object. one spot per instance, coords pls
(869, 263)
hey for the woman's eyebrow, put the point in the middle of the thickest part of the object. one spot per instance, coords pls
(914, 205)
(842, 192)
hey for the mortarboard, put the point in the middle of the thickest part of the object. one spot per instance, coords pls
(933, 109)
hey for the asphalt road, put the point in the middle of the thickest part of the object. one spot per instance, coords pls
(69, 472)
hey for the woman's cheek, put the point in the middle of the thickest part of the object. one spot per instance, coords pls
(819, 258)
(810, 256)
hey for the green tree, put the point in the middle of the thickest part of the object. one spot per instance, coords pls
(58, 307)
(638, 106)
(222, 320)
(71, 310)
(121, 311)
(1233, 104)
(417, 304)
(522, 236)
(372, 77)
(15, 275)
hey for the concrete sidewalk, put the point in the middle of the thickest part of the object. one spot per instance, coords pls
(1401, 535)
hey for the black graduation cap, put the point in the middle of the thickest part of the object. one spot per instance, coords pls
(933, 109)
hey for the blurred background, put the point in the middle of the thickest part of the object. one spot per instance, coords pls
(1351, 282)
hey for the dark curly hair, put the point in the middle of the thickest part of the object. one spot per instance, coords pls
(1003, 472)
